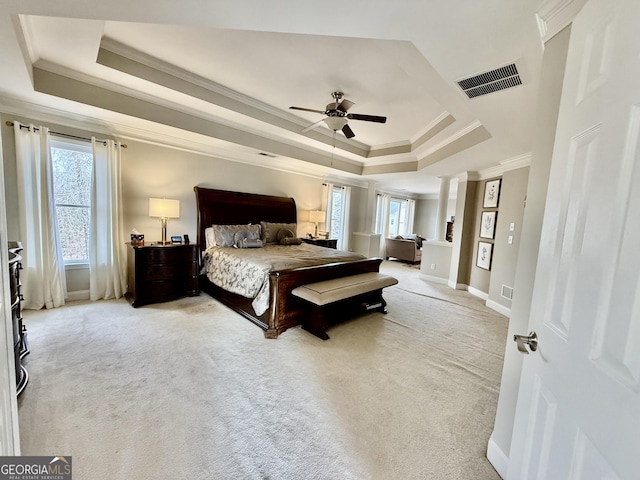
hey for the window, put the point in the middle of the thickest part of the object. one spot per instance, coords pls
(72, 165)
(398, 217)
(337, 212)
(394, 216)
(337, 203)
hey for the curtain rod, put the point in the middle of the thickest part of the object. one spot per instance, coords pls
(66, 135)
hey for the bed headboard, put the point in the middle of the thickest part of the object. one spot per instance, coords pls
(222, 207)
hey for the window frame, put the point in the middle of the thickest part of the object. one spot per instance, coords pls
(82, 147)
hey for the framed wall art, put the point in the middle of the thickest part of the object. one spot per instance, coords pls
(488, 224)
(491, 193)
(483, 259)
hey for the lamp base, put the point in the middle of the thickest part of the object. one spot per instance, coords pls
(163, 220)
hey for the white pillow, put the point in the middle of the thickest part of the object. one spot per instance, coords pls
(208, 237)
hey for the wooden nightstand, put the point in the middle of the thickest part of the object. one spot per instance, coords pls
(159, 273)
(322, 242)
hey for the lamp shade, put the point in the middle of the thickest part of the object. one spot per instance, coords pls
(317, 216)
(164, 208)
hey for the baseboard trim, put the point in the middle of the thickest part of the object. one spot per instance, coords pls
(497, 458)
(478, 293)
(498, 308)
(431, 278)
(457, 286)
(78, 295)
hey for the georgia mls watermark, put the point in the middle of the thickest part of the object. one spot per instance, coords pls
(35, 468)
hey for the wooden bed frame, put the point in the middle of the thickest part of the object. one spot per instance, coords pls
(220, 207)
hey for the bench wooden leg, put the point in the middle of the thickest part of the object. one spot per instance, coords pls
(315, 323)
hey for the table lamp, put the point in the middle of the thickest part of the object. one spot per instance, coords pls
(164, 208)
(317, 216)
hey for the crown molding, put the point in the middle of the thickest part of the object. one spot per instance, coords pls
(38, 113)
(521, 161)
(122, 58)
(554, 15)
(348, 181)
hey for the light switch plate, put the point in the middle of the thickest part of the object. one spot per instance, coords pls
(512, 227)
(510, 239)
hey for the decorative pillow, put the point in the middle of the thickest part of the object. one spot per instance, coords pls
(208, 237)
(284, 233)
(249, 243)
(270, 231)
(290, 241)
(224, 235)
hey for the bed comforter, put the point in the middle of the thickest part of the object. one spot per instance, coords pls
(245, 271)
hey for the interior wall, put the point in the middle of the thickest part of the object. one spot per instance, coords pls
(513, 194)
(425, 221)
(157, 171)
(463, 229)
(479, 278)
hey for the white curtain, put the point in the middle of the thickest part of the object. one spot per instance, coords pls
(343, 240)
(383, 207)
(411, 214)
(43, 277)
(327, 203)
(107, 254)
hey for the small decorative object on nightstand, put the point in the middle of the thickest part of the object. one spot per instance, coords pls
(322, 242)
(159, 273)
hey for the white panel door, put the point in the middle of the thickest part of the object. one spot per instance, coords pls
(578, 414)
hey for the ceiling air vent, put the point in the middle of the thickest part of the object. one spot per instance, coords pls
(489, 82)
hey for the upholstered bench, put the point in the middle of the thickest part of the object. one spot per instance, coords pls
(366, 287)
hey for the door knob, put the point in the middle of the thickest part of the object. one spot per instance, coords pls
(522, 340)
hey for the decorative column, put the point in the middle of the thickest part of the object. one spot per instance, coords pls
(443, 200)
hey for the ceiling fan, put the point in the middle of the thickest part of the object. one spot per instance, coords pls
(337, 115)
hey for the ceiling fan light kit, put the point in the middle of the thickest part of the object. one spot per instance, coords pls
(337, 116)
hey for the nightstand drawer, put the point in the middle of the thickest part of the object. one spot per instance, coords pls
(161, 272)
(163, 255)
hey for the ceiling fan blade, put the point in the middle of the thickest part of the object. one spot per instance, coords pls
(312, 126)
(366, 118)
(348, 132)
(345, 105)
(307, 109)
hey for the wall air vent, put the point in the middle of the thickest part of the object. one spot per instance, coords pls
(489, 82)
(507, 292)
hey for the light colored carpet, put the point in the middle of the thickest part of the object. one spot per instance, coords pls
(190, 390)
